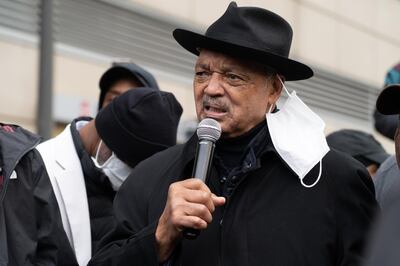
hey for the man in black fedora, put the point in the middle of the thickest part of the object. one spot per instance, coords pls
(275, 195)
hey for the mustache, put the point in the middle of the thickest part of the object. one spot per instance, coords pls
(215, 102)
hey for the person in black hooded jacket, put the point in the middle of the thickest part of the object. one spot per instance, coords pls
(122, 77)
(31, 231)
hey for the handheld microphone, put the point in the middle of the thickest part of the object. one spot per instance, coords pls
(208, 132)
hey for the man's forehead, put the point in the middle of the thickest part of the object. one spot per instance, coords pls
(210, 59)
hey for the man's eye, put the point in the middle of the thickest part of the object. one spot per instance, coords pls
(233, 77)
(201, 74)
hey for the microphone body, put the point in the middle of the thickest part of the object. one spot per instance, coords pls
(202, 163)
(208, 132)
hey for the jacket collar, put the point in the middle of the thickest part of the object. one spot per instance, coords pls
(68, 180)
(258, 146)
(15, 142)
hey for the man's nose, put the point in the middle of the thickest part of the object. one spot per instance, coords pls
(215, 86)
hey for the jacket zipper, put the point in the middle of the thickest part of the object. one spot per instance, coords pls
(221, 222)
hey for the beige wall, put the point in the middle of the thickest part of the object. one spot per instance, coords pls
(18, 89)
(357, 38)
(76, 75)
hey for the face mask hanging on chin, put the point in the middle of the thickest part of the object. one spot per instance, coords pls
(116, 170)
(297, 134)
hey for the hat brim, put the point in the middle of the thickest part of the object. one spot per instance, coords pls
(388, 102)
(290, 69)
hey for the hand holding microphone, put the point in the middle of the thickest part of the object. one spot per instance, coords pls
(190, 202)
(208, 132)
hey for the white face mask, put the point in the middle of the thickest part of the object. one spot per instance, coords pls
(297, 134)
(115, 169)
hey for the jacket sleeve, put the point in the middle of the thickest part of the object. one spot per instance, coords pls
(355, 208)
(132, 242)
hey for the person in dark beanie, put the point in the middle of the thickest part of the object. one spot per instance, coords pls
(91, 158)
(361, 146)
(122, 77)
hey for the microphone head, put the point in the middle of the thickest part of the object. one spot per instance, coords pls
(209, 129)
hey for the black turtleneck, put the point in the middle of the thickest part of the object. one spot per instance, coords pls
(231, 151)
(235, 157)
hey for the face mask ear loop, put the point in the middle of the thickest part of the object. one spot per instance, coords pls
(270, 109)
(319, 176)
(284, 87)
(97, 153)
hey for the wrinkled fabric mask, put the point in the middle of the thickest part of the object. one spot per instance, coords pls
(115, 169)
(297, 134)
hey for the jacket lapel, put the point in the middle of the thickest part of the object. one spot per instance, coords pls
(70, 184)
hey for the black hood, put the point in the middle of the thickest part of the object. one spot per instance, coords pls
(123, 70)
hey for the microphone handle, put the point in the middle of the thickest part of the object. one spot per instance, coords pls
(202, 166)
(203, 160)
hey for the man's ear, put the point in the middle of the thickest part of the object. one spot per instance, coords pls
(276, 88)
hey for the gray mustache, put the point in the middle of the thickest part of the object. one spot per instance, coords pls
(215, 102)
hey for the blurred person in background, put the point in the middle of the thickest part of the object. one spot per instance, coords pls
(361, 146)
(384, 247)
(387, 124)
(387, 179)
(275, 195)
(91, 158)
(31, 231)
(122, 77)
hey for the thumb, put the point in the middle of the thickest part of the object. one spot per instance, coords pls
(218, 201)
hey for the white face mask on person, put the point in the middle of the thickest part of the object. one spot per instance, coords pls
(297, 134)
(115, 169)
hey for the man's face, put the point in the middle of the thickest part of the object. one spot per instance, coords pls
(232, 91)
(119, 88)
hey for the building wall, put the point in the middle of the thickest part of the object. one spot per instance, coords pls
(75, 82)
(19, 81)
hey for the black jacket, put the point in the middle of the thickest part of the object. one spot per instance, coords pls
(269, 219)
(31, 231)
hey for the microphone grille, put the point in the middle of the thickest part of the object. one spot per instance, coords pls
(209, 129)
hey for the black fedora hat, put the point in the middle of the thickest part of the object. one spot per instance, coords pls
(388, 102)
(252, 33)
